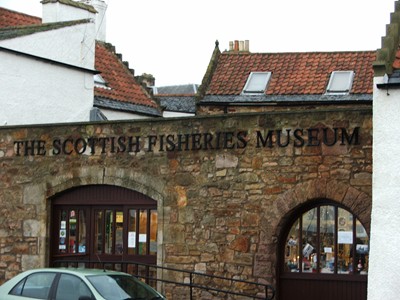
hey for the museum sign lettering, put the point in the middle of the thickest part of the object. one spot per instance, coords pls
(298, 137)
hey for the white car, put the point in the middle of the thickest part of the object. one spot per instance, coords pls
(76, 284)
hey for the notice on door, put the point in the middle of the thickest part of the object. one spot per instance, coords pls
(345, 237)
(131, 239)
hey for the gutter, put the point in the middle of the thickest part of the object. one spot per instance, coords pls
(388, 85)
(49, 61)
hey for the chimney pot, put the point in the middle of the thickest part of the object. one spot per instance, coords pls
(247, 45)
(241, 46)
(231, 46)
(236, 48)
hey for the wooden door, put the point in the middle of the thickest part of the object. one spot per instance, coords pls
(99, 224)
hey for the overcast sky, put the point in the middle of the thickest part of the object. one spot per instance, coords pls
(173, 39)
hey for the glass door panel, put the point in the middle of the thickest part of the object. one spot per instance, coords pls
(62, 244)
(345, 241)
(310, 240)
(153, 232)
(72, 231)
(98, 231)
(362, 250)
(292, 249)
(82, 232)
(109, 225)
(109, 231)
(327, 239)
(119, 229)
(132, 232)
(143, 232)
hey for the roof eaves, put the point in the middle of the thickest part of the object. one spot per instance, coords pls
(126, 107)
(179, 104)
(18, 31)
(294, 99)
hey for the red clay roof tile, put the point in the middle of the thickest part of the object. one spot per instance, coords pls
(396, 62)
(292, 73)
(121, 82)
(10, 18)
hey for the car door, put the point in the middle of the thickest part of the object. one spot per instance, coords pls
(71, 287)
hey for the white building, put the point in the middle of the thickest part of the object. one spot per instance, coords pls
(384, 274)
(49, 67)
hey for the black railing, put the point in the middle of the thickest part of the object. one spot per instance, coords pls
(205, 282)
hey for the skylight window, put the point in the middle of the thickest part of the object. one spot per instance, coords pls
(340, 82)
(257, 83)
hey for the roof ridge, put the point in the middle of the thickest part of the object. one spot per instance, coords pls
(389, 45)
(175, 95)
(17, 31)
(112, 48)
(299, 52)
(210, 71)
(72, 3)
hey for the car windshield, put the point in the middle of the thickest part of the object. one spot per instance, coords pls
(122, 287)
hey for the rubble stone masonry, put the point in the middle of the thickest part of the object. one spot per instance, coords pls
(225, 185)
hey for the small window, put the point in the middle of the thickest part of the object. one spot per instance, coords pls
(257, 82)
(100, 82)
(340, 82)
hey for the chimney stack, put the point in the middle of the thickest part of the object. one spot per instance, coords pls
(239, 46)
(101, 8)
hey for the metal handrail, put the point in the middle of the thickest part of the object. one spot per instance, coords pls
(269, 290)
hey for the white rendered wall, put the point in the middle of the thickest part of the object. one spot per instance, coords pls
(37, 92)
(120, 115)
(384, 265)
(173, 114)
(74, 45)
(101, 18)
(58, 12)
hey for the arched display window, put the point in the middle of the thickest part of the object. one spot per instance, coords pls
(327, 239)
(326, 247)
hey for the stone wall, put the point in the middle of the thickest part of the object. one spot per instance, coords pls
(224, 196)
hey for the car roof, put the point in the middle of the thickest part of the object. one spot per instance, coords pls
(79, 271)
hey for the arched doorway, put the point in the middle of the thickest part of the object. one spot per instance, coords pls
(103, 223)
(323, 254)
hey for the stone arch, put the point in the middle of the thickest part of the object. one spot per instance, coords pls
(128, 178)
(357, 201)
